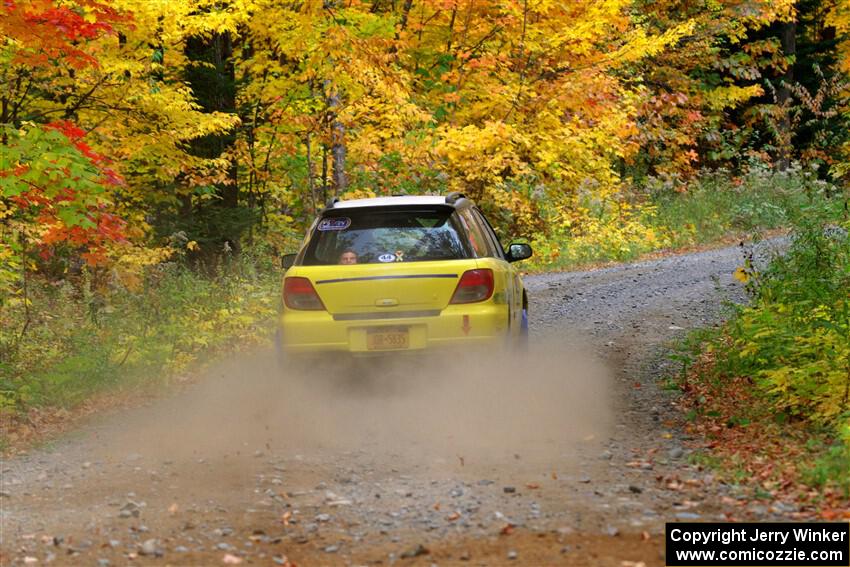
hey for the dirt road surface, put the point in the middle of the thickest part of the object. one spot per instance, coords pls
(571, 454)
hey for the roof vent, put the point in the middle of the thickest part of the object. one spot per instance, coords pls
(454, 197)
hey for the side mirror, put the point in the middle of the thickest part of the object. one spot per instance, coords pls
(518, 251)
(287, 260)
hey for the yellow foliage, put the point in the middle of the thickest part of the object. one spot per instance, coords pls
(742, 275)
(129, 262)
(731, 96)
(839, 18)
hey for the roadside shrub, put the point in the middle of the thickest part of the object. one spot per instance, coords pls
(794, 339)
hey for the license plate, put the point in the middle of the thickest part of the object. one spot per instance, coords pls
(388, 339)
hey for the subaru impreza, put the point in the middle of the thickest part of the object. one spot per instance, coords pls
(402, 274)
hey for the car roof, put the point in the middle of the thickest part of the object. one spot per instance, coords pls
(405, 200)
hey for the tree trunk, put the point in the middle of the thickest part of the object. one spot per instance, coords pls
(213, 81)
(788, 37)
(324, 173)
(310, 179)
(340, 182)
(405, 12)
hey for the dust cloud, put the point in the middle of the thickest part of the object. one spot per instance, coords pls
(473, 409)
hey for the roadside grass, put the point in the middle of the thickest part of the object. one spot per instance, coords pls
(769, 391)
(675, 215)
(73, 342)
(719, 203)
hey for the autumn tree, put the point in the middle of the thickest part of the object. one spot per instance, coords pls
(54, 188)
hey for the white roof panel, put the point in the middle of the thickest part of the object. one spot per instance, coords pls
(391, 201)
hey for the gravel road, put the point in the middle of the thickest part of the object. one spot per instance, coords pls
(571, 454)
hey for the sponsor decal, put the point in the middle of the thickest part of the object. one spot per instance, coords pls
(334, 223)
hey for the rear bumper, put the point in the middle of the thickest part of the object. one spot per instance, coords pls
(456, 325)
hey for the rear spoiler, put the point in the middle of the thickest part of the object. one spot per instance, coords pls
(451, 199)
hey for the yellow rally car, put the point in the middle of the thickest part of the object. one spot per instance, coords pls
(401, 274)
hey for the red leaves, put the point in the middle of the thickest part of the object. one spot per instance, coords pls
(71, 130)
(69, 23)
(47, 32)
(75, 135)
(107, 228)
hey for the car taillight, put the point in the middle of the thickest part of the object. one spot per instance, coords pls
(299, 293)
(474, 286)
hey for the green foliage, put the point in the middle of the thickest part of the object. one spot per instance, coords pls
(52, 190)
(833, 464)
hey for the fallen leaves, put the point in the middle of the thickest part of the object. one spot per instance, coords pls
(286, 517)
(646, 465)
(741, 435)
(832, 514)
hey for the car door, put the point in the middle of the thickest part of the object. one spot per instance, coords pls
(515, 281)
(487, 248)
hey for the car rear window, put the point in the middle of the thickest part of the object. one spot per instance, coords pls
(384, 235)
